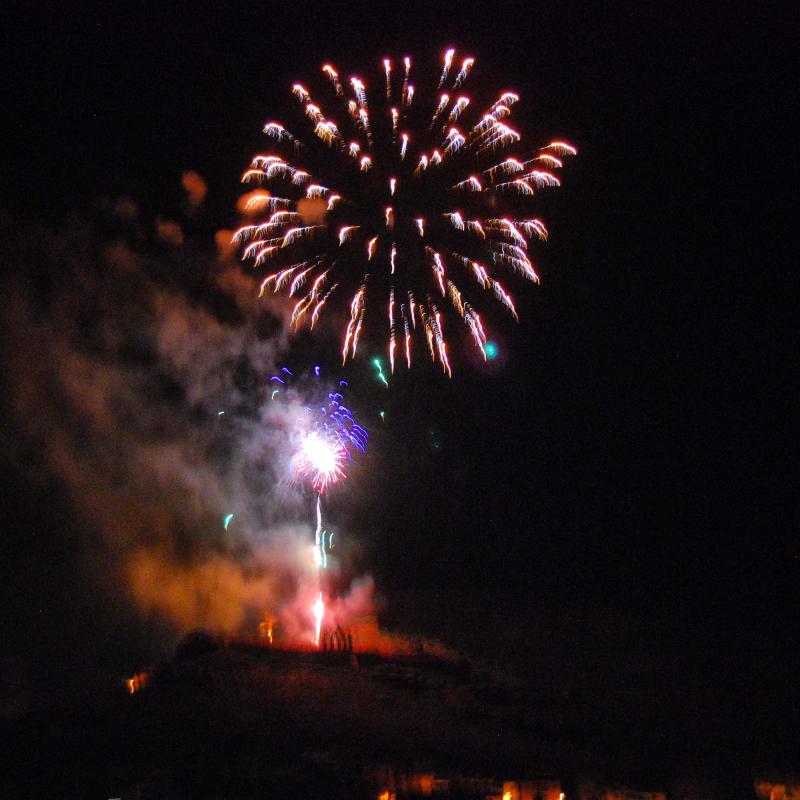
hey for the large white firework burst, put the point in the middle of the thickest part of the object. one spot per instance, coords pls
(411, 210)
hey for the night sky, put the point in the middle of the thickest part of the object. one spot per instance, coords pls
(631, 458)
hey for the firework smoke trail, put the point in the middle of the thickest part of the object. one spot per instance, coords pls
(331, 434)
(421, 207)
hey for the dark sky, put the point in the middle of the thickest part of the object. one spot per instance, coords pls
(635, 450)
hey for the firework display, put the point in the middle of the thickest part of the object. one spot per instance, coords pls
(329, 437)
(395, 213)
(329, 444)
(403, 209)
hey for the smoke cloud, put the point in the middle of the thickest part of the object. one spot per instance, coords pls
(195, 188)
(169, 231)
(139, 373)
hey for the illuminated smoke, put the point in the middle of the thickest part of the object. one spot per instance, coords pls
(169, 231)
(195, 188)
(147, 406)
